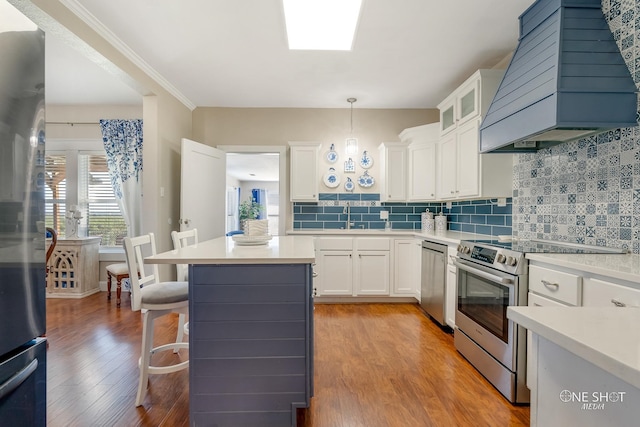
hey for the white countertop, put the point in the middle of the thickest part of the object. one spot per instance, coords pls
(446, 237)
(606, 337)
(619, 266)
(223, 250)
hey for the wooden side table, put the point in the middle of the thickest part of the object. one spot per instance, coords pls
(74, 268)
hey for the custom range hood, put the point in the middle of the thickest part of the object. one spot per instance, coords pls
(566, 80)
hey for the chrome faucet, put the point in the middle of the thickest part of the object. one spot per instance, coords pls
(347, 210)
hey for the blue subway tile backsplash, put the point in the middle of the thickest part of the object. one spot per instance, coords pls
(478, 216)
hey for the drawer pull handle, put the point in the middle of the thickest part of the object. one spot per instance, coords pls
(315, 274)
(618, 303)
(550, 285)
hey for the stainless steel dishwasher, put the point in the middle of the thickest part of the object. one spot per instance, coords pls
(432, 284)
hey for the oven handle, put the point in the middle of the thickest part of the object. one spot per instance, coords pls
(494, 278)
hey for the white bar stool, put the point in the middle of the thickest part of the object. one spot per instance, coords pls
(155, 299)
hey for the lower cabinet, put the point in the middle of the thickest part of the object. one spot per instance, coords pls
(406, 267)
(352, 266)
(451, 290)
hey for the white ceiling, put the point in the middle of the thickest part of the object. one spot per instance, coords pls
(233, 53)
(253, 167)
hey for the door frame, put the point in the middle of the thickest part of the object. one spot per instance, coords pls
(282, 165)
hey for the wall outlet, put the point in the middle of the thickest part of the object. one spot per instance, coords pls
(384, 214)
(502, 201)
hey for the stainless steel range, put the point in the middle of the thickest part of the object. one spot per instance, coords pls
(493, 275)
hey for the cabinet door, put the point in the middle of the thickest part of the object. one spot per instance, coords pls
(447, 116)
(304, 173)
(372, 272)
(335, 273)
(468, 101)
(422, 172)
(394, 165)
(406, 267)
(448, 167)
(467, 164)
(451, 291)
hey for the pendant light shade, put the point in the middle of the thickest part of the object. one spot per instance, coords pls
(351, 143)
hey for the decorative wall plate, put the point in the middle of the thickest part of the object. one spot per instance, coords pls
(365, 180)
(366, 161)
(349, 185)
(331, 179)
(332, 155)
(349, 166)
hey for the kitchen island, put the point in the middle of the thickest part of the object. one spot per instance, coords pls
(250, 330)
(588, 364)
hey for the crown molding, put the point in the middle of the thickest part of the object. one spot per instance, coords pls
(81, 12)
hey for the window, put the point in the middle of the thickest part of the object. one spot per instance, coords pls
(89, 189)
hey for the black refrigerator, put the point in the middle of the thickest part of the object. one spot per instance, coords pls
(22, 240)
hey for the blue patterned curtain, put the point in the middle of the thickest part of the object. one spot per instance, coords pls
(123, 144)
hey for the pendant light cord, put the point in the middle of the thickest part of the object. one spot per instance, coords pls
(351, 101)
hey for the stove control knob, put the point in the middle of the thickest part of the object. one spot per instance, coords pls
(501, 258)
(466, 249)
(460, 247)
(512, 261)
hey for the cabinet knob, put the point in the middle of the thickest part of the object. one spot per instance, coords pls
(452, 192)
(432, 194)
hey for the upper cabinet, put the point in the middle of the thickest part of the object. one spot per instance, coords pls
(463, 172)
(421, 161)
(470, 100)
(393, 169)
(303, 176)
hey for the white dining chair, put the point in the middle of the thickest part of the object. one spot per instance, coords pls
(155, 299)
(180, 240)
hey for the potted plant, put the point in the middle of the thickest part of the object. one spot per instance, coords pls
(249, 209)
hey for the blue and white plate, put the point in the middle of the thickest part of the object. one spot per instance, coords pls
(349, 185)
(332, 155)
(331, 179)
(366, 161)
(365, 180)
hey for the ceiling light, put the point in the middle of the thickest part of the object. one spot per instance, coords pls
(321, 24)
(351, 143)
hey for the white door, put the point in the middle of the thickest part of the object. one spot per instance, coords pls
(203, 189)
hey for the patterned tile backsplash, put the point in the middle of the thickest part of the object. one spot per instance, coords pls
(480, 216)
(587, 191)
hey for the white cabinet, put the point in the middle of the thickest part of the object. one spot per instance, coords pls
(372, 272)
(304, 171)
(421, 161)
(335, 272)
(470, 100)
(406, 267)
(451, 289)
(393, 171)
(565, 287)
(600, 293)
(464, 173)
(348, 266)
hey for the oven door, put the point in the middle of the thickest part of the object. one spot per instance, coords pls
(481, 312)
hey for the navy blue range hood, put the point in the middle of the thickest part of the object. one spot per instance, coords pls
(566, 80)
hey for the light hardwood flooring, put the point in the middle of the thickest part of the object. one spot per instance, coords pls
(376, 365)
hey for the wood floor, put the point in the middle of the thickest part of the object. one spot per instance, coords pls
(376, 365)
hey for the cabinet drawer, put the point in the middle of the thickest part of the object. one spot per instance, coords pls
(334, 243)
(598, 293)
(536, 300)
(373, 244)
(564, 287)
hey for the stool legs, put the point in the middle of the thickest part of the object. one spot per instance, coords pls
(108, 286)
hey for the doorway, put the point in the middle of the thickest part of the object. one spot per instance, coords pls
(256, 173)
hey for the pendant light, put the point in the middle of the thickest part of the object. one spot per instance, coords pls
(351, 143)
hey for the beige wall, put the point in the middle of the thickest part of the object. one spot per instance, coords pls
(166, 119)
(84, 119)
(277, 126)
